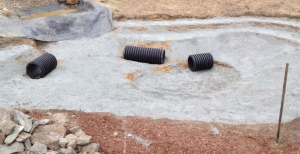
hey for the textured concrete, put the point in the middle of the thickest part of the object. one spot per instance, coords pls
(90, 73)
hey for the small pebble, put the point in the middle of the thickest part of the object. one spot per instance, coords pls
(115, 134)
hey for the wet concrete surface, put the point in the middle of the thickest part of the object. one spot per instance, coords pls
(91, 73)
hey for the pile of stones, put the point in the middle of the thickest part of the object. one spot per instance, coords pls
(21, 134)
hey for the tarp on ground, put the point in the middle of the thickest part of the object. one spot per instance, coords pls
(91, 20)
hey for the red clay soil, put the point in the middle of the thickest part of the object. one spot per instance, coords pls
(161, 136)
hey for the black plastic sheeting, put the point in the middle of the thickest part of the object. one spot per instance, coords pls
(41, 66)
(145, 55)
(91, 20)
(201, 61)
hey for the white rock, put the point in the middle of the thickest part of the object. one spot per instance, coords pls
(115, 134)
(63, 142)
(72, 144)
(8, 127)
(71, 137)
(49, 135)
(13, 148)
(91, 148)
(27, 144)
(79, 133)
(84, 140)
(23, 120)
(33, 127)
(43, 122)
(70, 151)
(38, 148)
(62, 150)
(52, 152)
(74, 129)
(11, 137)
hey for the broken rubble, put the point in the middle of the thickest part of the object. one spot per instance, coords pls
(39, 123)
(27, 144)
(91, 148)
(74, 129)
(23, 120)
(49, 135)
(71, 137)
(8, 127)
(70, 151)
(72, 144)
(79, 133)
(63, 142)
(84, 140)
(43, 122)
(13, 148)
(52, 152)
(38, 148)
(22, 137)
(62, 150)
(10, 138)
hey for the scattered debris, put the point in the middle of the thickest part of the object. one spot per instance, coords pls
(46, 138)
(140, 140)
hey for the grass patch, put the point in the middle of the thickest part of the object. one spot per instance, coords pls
(247, 6)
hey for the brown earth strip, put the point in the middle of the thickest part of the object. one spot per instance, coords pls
(201, 9)
(189, 27)
(218, 63)
(136, 28)
(165, 68)
(173, 136)
(155, 44)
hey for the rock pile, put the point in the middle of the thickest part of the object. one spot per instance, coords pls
(21, 134)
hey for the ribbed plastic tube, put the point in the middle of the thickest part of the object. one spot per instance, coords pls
(144, 55)
(201, 61)
(41, 66)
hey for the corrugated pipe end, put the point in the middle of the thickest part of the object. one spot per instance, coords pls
(199, 62)
(41, 66)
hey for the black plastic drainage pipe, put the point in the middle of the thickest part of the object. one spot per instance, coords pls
(201, 61)
(41, 66)
(145, 55)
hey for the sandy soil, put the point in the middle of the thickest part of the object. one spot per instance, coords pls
(131, 76)
(7, 6)
(200, 9)
(145, 135)
(174, 9)
(4, 42)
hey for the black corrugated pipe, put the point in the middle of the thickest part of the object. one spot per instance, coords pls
(201, 61)
(41, 66)
(145, 55)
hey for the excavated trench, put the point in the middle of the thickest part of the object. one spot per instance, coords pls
(244, 86)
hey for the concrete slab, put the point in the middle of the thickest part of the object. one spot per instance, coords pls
(245, 88)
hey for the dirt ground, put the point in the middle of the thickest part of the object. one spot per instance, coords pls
(145, 135)
(174, 9)
(201, 9)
